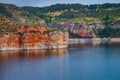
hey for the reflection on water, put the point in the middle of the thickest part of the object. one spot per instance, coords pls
(31, 54)
(81, 46)
(79, 62)
(20, 65)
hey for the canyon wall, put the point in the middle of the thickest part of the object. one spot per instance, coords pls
(33, 38)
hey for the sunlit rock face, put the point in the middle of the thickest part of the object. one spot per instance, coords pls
(78, 30)
(84, 33)
(82, 30)
(30, 37)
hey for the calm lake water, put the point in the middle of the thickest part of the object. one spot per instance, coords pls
(79, 62)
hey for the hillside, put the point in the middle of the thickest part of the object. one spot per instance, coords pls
(18, 15)
(85, 14)
(7, 25)
(63, 12)
(80, 20)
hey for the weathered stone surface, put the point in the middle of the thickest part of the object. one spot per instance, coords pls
(79, 29)
(33, 38)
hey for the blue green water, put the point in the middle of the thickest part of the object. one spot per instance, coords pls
(79, 62)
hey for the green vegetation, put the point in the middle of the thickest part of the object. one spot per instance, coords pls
(85, 14)
(4, 11)
(87, 20)
(7, 25)
(104, 14)
(107, 32)
(18, 15)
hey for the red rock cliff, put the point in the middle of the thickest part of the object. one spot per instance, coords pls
(30, 36)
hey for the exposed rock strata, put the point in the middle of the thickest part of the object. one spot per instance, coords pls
(33, 38)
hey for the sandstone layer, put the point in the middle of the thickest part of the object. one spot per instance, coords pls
(29, 37)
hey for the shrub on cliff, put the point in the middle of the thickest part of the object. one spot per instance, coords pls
(107, 32)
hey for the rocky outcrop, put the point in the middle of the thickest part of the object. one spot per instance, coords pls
(85, 31)
(33, 38)
(77, 30)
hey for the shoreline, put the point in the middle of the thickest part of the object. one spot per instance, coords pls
(94, 40)
(49, 46)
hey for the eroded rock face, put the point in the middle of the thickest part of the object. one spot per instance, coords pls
(82, 30)
(33, 38)
(83, 33)
(78, 30)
